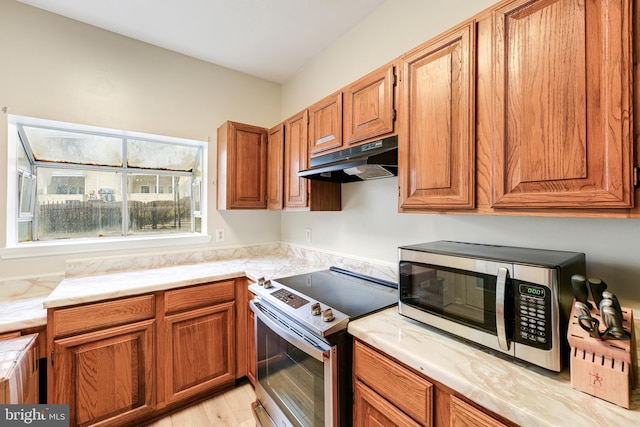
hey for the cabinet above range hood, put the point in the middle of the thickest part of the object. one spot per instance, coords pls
(373, 160)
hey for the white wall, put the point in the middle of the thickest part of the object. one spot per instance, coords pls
(369, 225)
(60, 69)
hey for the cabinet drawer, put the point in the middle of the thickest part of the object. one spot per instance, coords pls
(406, 390)
(199, 296)
(90, 317)
(463, 414)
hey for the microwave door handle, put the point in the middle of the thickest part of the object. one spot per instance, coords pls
(501, 285)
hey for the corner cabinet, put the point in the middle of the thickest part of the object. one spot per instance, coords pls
(242, 166)
(436, 165)
(387, 393)
(563, 104)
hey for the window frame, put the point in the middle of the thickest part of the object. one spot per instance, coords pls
(16, 176)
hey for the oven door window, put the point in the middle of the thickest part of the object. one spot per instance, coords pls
(462, 296)
(293, 379)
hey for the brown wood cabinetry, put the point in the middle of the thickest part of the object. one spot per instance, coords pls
(325, 124)
(371, 409)
(296, 158)
(298, 193)
(369, 106)
(387, 393)
(563, 104)
(124, 360)
(108, 376)
(437, 139)
(402, 388)
(466, 415)
(199, 330)
(242, 166)
(275, 168)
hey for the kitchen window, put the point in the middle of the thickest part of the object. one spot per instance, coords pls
(75, 182)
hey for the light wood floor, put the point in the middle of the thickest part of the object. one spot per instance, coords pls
(229, 409)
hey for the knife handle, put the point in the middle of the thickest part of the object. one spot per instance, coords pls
(613, 321)
(597, 287)
(614, 300)
(580, 291)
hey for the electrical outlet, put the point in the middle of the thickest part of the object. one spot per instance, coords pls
(307, 234)
(219, 234)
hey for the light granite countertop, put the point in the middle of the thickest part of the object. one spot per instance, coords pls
(79, 290)
(99, 279)
(529, 396)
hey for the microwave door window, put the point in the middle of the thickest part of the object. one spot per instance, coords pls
(463, 296)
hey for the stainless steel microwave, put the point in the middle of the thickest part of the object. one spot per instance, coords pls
(513, 300)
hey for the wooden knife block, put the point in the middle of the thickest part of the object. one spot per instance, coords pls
(603, 368)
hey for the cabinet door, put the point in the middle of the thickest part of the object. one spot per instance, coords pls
(199, 350)
(106, 377)
(562, 104)
(296, 158)
(437, 144)
(370, 409)
(368, 106)
(275, 168)
(242, 166)
(325, 124)
(464, 415)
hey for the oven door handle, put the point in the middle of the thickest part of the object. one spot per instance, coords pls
(312, 350)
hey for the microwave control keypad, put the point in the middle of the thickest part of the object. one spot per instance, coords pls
(532, 327)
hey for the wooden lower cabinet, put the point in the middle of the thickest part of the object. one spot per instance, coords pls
(465, 415)
(388, 393)
(371, 409)
(123, 361)
(106, 377)
(199, 351)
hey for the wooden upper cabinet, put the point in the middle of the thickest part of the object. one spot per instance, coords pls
(562, 106)
(275, 168)
(325, 124)
(296, 158)
(436, 137)
(368, 106)
(242, 166)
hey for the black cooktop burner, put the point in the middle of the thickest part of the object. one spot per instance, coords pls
(353, 294)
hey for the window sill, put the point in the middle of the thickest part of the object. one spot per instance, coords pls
(68, 247)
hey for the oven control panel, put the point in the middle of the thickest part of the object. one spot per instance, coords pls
(321, 319)
(289, 298)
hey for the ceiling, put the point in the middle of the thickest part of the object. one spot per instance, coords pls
(270, 39)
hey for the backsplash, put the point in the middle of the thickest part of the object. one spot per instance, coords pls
(118, 264)
(15, 289)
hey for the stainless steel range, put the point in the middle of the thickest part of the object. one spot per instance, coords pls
(303, 352)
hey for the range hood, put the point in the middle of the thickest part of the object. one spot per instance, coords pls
(373, 160)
